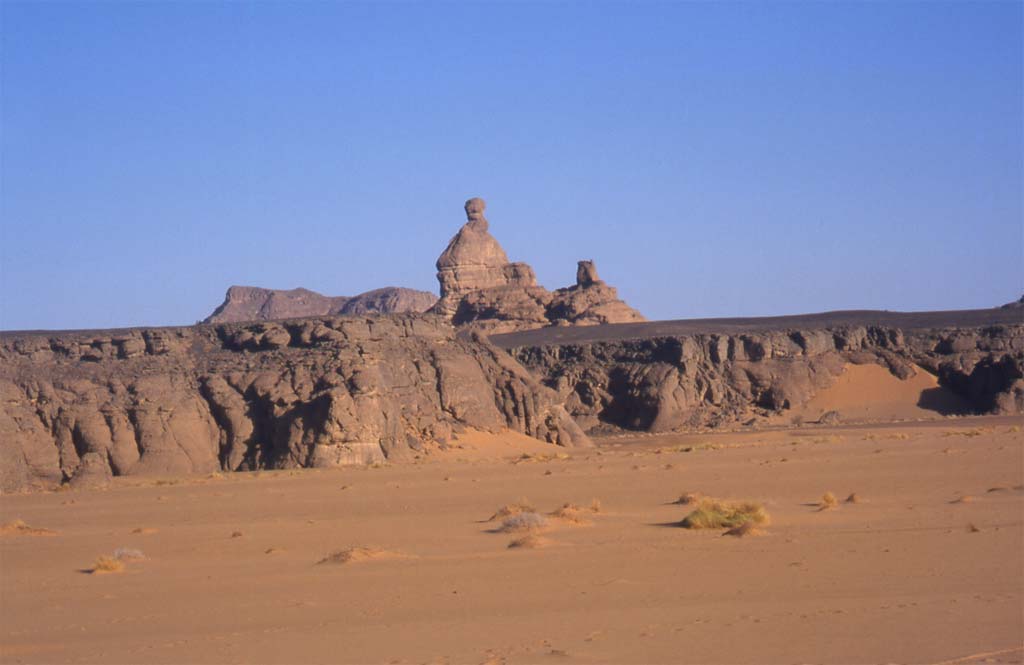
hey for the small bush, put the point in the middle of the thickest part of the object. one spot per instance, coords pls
(687, 498)
(523, 505)
(523, 522)
(570, 512)
(107, 564)
(355, 554)
(828, 501)
(20, 528)
(830, 418)
(718, 514)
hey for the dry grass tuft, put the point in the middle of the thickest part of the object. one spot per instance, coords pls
(828, 501)
(19, 528)
(523, 505)
(107, 564)
(528, 542)
(853, 498)
(128, 554)
(355, 555)
(966, 498)
(571, 513)
(687, 498)
(743, 530)
(540, 457)
(718, 514)
(523, 522)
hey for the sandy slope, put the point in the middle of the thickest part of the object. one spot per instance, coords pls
(865, 393)
(899, 577)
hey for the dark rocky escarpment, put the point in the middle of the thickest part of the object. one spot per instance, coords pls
(80, 406)
(692, 374)
(251, 303)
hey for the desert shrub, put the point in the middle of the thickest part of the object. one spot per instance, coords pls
(570, 512)
(688, 498)
(830, 418)
(20, 528)
(107, 564)
(354, 554)
(719, 514)
(523, 505)
(529, 521)
(128, 554)
(828, 501)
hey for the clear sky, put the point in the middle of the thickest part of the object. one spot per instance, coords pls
(714, 159)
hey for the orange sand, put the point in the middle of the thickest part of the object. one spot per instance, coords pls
(900, 576)
(871, 393)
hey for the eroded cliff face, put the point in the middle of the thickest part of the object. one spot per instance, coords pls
(697, 380)
(79, 407)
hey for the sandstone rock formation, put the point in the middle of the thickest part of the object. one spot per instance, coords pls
(482, 289)
(76, 407)
(589, 302)
(474, 261)
(715, 376)
(250, 303)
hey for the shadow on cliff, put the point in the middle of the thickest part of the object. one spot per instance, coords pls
(944, 401)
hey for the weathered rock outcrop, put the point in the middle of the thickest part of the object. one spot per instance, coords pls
(482, 289)
(251, 303)
(474, 261)
(590, 302)
(708, 374)
(77, 407)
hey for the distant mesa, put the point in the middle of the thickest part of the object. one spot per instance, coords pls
(250, 303)
(1016, 304)
(482, 288)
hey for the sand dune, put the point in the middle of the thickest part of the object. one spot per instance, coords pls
(903, 575)
(871, 393)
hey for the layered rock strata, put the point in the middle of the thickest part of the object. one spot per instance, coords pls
(715, 375)
(78, 407)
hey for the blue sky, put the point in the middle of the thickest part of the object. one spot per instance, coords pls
(714, 159)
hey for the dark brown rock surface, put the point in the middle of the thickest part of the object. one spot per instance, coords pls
(328, 391)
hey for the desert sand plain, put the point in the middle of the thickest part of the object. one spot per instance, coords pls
(923, 565)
